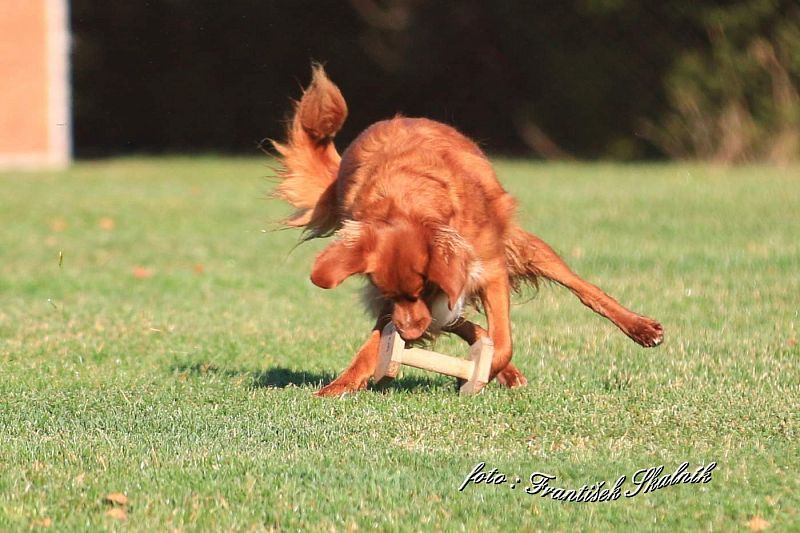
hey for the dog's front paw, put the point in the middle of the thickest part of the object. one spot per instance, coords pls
(645, 331)
(340, 388)
(511, 377)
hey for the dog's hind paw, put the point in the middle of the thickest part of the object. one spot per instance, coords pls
(645, 331)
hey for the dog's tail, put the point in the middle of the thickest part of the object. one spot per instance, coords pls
(309, 158)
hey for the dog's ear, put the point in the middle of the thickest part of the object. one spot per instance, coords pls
(336, 263)
(343, 258)
(450, 257)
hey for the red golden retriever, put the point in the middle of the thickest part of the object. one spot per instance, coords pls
(416, 207)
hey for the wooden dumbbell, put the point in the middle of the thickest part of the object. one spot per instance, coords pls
(475, 371)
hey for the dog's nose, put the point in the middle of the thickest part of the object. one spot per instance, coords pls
(412, 331)
(410, 334)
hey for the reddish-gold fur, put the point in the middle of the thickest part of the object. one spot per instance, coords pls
(416, 207)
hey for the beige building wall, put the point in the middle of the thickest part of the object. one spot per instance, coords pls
(35, 127)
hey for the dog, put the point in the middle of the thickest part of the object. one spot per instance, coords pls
(415, 207)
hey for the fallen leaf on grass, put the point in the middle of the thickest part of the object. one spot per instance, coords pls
(757, 524)
(116, 498)
(106, 223)
(140, 272)
(43, 522)
(58, 224)
(117, 513)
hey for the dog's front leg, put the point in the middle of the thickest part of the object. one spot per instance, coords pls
(356, 376)
(470, 332)
(496, 303)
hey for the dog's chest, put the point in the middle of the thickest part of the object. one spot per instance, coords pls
(441, 314)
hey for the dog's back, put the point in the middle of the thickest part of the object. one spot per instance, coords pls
(425, 170)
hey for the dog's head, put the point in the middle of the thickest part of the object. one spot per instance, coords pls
(402, 260)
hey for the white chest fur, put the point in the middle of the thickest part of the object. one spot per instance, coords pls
(441, 313)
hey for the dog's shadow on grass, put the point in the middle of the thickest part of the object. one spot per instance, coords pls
(282, 378)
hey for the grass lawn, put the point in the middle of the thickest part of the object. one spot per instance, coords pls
(172, 354)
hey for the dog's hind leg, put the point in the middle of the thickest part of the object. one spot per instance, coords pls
(470, 332)
(528, 256)
(361, 368)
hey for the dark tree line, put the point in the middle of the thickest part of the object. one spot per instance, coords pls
(554, 78)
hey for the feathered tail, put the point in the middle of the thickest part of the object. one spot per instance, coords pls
(309, 158)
